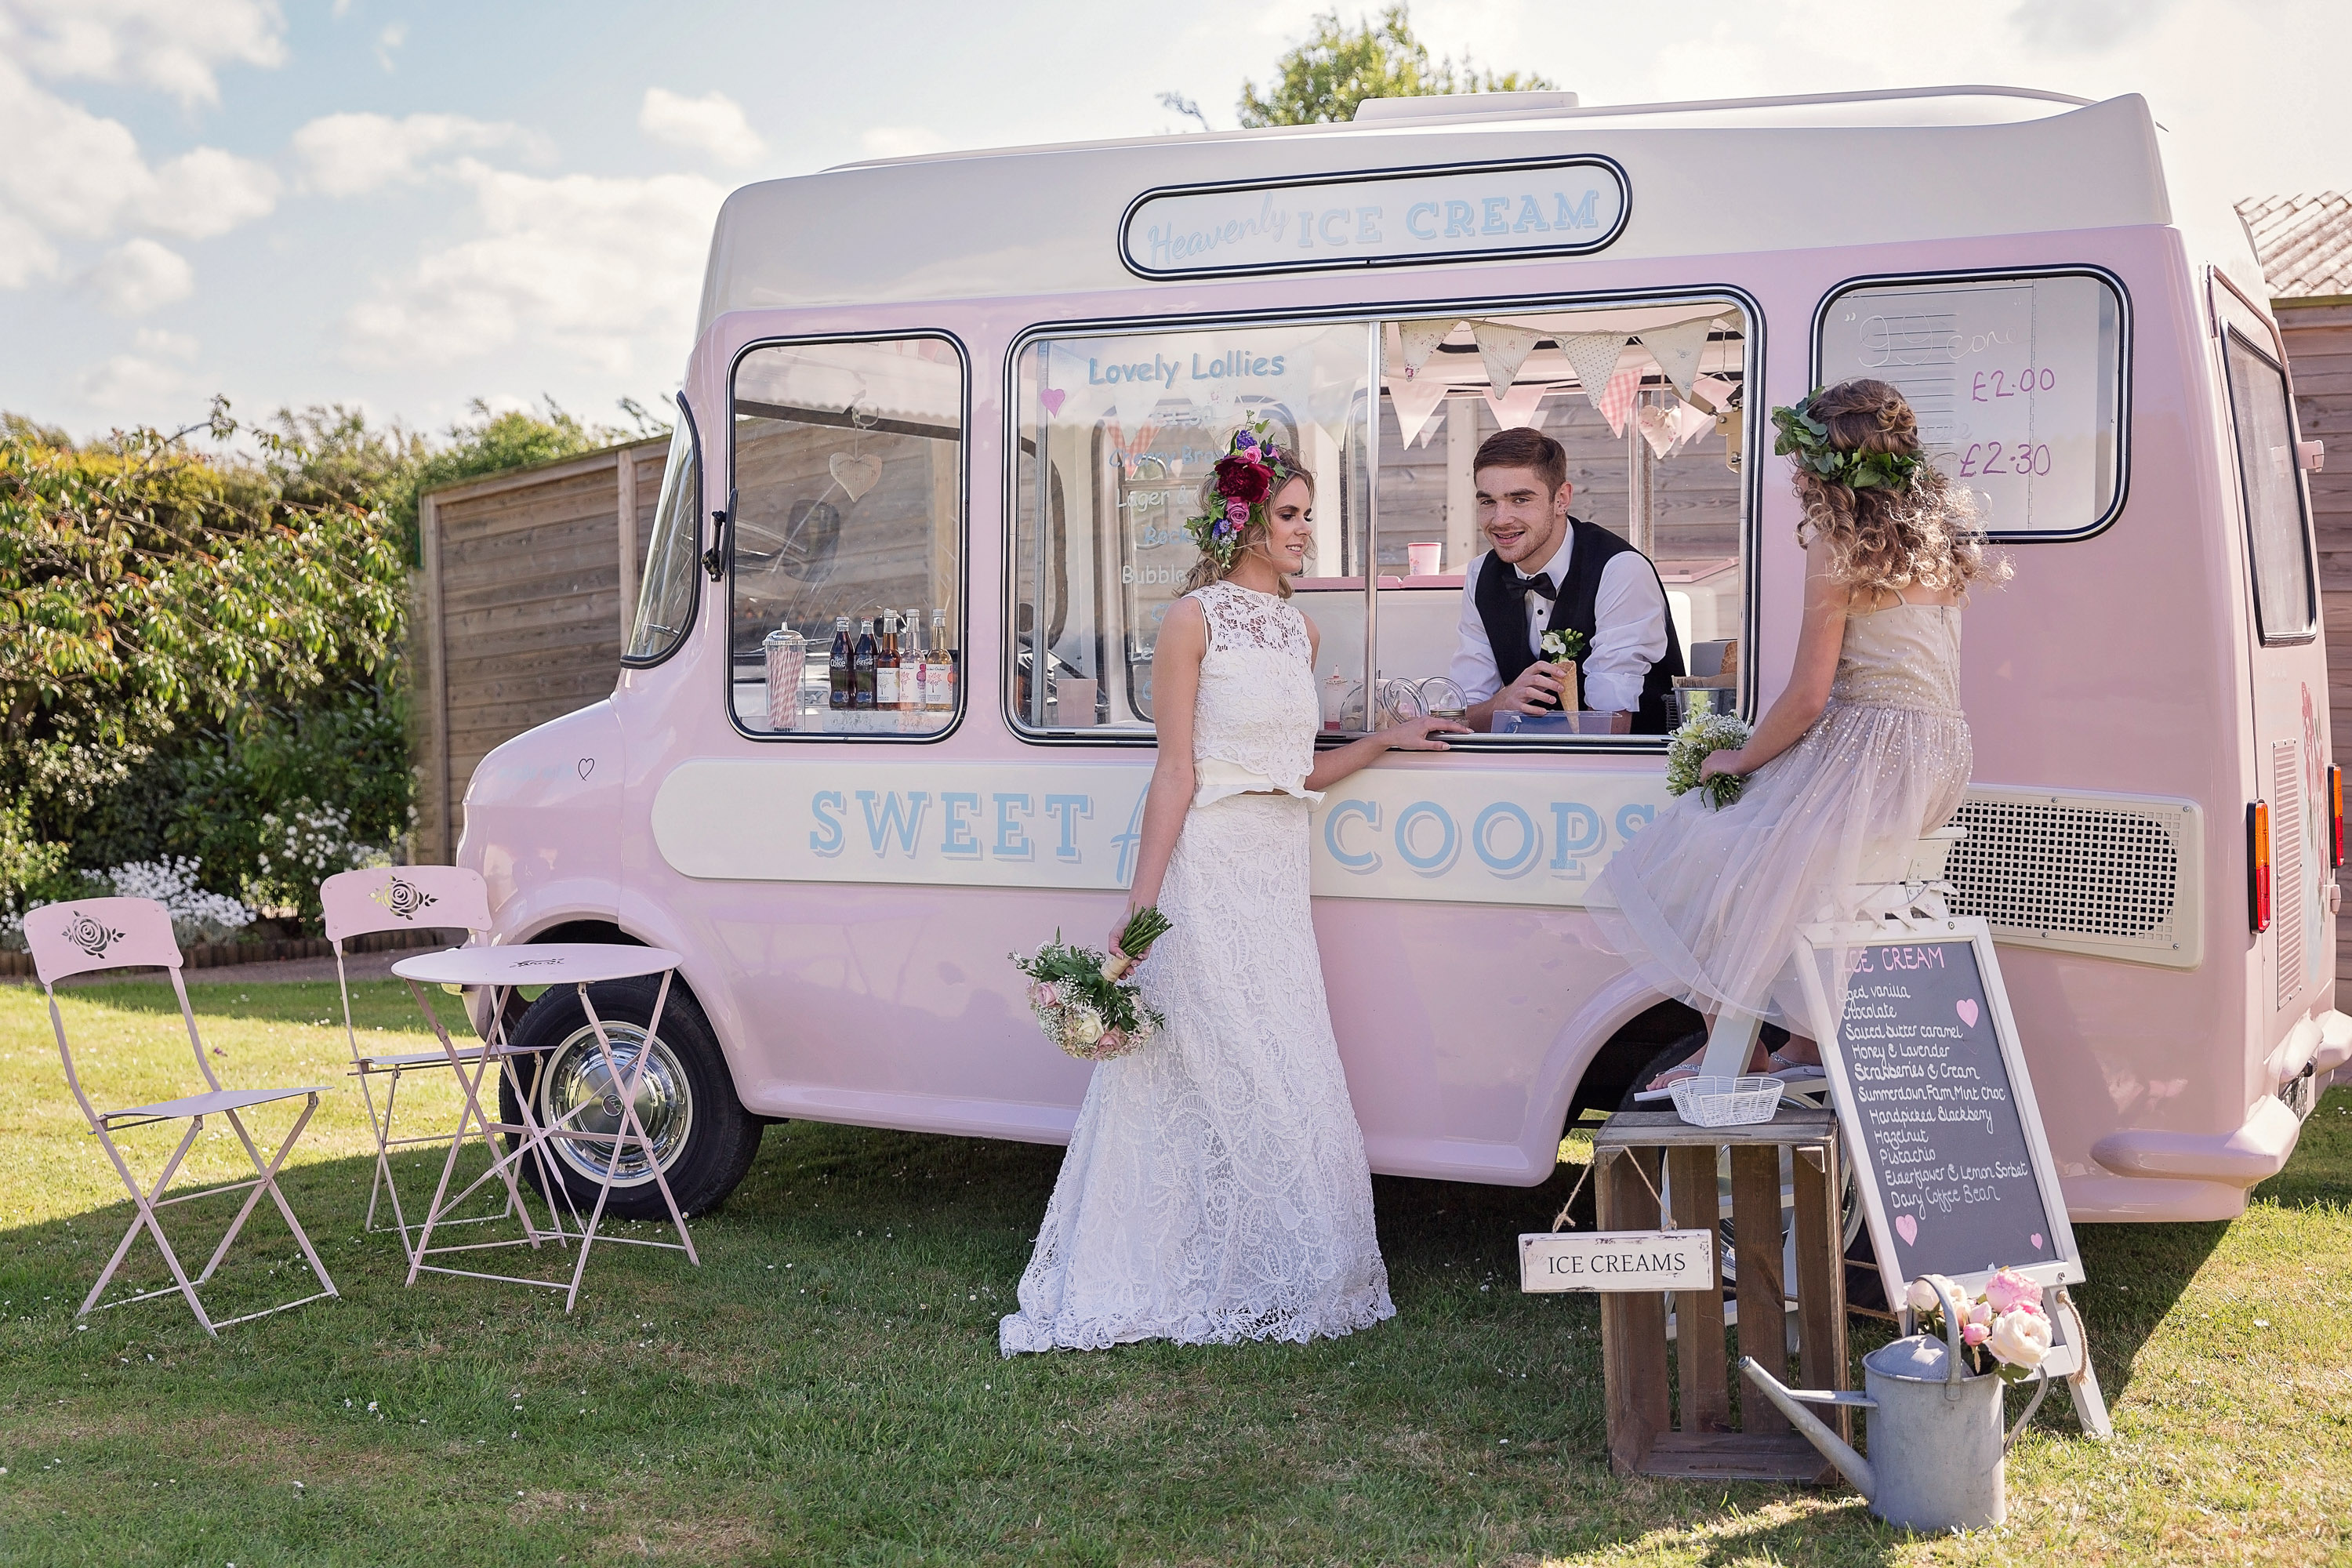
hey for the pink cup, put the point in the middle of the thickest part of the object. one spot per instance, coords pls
(1424, 559)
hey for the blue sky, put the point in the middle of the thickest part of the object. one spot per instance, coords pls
(406, 206)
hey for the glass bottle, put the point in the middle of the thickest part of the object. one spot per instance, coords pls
(940, 673)
(911, 656)
(843, 665)
(886, 664)
(862, 664)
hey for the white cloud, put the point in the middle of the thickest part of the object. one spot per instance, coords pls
(208, 192)
(350, 154)
(171, 45)
(583, 264)
(72, 174)
(157, 340)
(131, 384)
(141, 275)
(713, 124)
(390, 38)
(902, 141)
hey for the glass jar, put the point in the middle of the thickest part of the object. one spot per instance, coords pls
(787, 656)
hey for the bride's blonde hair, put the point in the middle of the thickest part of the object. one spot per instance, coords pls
(1926, 533)
(1208, 569)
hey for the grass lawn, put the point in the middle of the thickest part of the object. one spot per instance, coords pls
(827, 1388)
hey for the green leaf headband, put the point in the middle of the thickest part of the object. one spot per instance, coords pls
(1807, 440)
(1248, 477)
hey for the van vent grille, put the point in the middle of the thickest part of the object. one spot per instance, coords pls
(2286, 865)
(2080, 872)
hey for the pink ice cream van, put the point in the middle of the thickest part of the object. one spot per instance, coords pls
(885, 712)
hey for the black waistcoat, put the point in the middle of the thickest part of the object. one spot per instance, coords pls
(1506, 624)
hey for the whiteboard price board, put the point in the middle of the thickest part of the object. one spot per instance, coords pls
(1617, 1260)
(1931, 1090)
(2017, 383)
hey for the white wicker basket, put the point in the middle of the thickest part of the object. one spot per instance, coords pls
(1727, 1101)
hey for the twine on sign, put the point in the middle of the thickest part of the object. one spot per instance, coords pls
(1560, 1220)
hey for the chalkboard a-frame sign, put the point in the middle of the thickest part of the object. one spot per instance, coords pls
(1953, 1167)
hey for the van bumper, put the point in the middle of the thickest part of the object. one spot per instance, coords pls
(2255, 1151)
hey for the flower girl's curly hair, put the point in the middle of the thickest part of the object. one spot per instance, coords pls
(1882, 536)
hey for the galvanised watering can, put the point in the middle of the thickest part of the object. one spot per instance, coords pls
(1936, 1439)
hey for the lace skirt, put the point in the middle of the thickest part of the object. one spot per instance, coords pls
(1706, 904)
(1215, 1188)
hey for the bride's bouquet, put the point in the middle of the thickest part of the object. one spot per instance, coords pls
(1688, 748)
(1084, 1002)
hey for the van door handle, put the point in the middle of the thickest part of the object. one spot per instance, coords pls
(714, 560)
(2311, 456)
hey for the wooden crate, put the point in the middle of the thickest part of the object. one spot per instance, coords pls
(1696, 1439)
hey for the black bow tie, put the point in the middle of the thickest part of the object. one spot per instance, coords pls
(1538, 584)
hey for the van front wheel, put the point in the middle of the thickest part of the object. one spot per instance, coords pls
(702, 1139)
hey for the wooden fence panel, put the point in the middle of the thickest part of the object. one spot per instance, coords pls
(519, 611)
(2319, 362)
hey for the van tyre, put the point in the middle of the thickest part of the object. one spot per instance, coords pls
(703, 1137)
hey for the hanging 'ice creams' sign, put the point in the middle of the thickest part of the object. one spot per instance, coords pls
(1562, 207)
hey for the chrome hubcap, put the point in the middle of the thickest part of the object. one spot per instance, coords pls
(579, 1094)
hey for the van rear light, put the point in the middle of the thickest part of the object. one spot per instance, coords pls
(2258, 864)
(2336, 817)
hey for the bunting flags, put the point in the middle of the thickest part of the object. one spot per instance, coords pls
(1414, 401)
(1503, 350)
(1518, 408)
(1657, 425)
(1594, 355)
(1678, 349)
(1416, 340)
(1617, 395)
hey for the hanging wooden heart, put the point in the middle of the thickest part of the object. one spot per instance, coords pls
(855, 474)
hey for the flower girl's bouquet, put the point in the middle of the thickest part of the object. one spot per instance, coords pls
(1084, 1001)
(1688, 748)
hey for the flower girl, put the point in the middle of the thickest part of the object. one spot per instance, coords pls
(1864, 750)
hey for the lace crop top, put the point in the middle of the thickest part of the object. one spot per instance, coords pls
(1253, 723)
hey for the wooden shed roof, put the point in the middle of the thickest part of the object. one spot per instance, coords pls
(2304, 244)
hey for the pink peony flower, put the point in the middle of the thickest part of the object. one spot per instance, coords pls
(2008, 1289)
(1981, 1315)
(1921, 1297)
(1975, 1333)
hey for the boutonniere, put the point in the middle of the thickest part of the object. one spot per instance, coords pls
(1561, 646)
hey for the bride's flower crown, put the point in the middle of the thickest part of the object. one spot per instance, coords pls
(1247, 478)
(1807, 440)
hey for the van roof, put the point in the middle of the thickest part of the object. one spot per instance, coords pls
(1703, 178)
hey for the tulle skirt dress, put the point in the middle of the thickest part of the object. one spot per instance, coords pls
(1706, 904)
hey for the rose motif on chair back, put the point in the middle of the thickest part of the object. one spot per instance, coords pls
(404, 898)
(90, 935)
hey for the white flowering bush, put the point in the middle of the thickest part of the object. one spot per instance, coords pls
(302, 849)
(196, 915)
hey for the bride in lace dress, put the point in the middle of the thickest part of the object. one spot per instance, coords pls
(1215, 1188)
(1864, 750)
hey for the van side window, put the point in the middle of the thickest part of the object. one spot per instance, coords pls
(2278, 532)
(846, 527)
(2018, 382)
(1118, 433)
(665, 599)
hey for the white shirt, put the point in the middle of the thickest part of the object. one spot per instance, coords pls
(1629, 630)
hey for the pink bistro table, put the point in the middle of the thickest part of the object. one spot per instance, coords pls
(500, 970)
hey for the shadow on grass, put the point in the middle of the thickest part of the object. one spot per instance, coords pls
(375, 1003)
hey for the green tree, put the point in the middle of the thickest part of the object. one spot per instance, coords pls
(1322, 81)
(488, 444)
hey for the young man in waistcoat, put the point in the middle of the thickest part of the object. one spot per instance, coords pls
(1548, 571)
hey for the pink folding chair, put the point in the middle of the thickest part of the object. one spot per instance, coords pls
(129, 933)
(403, 898)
